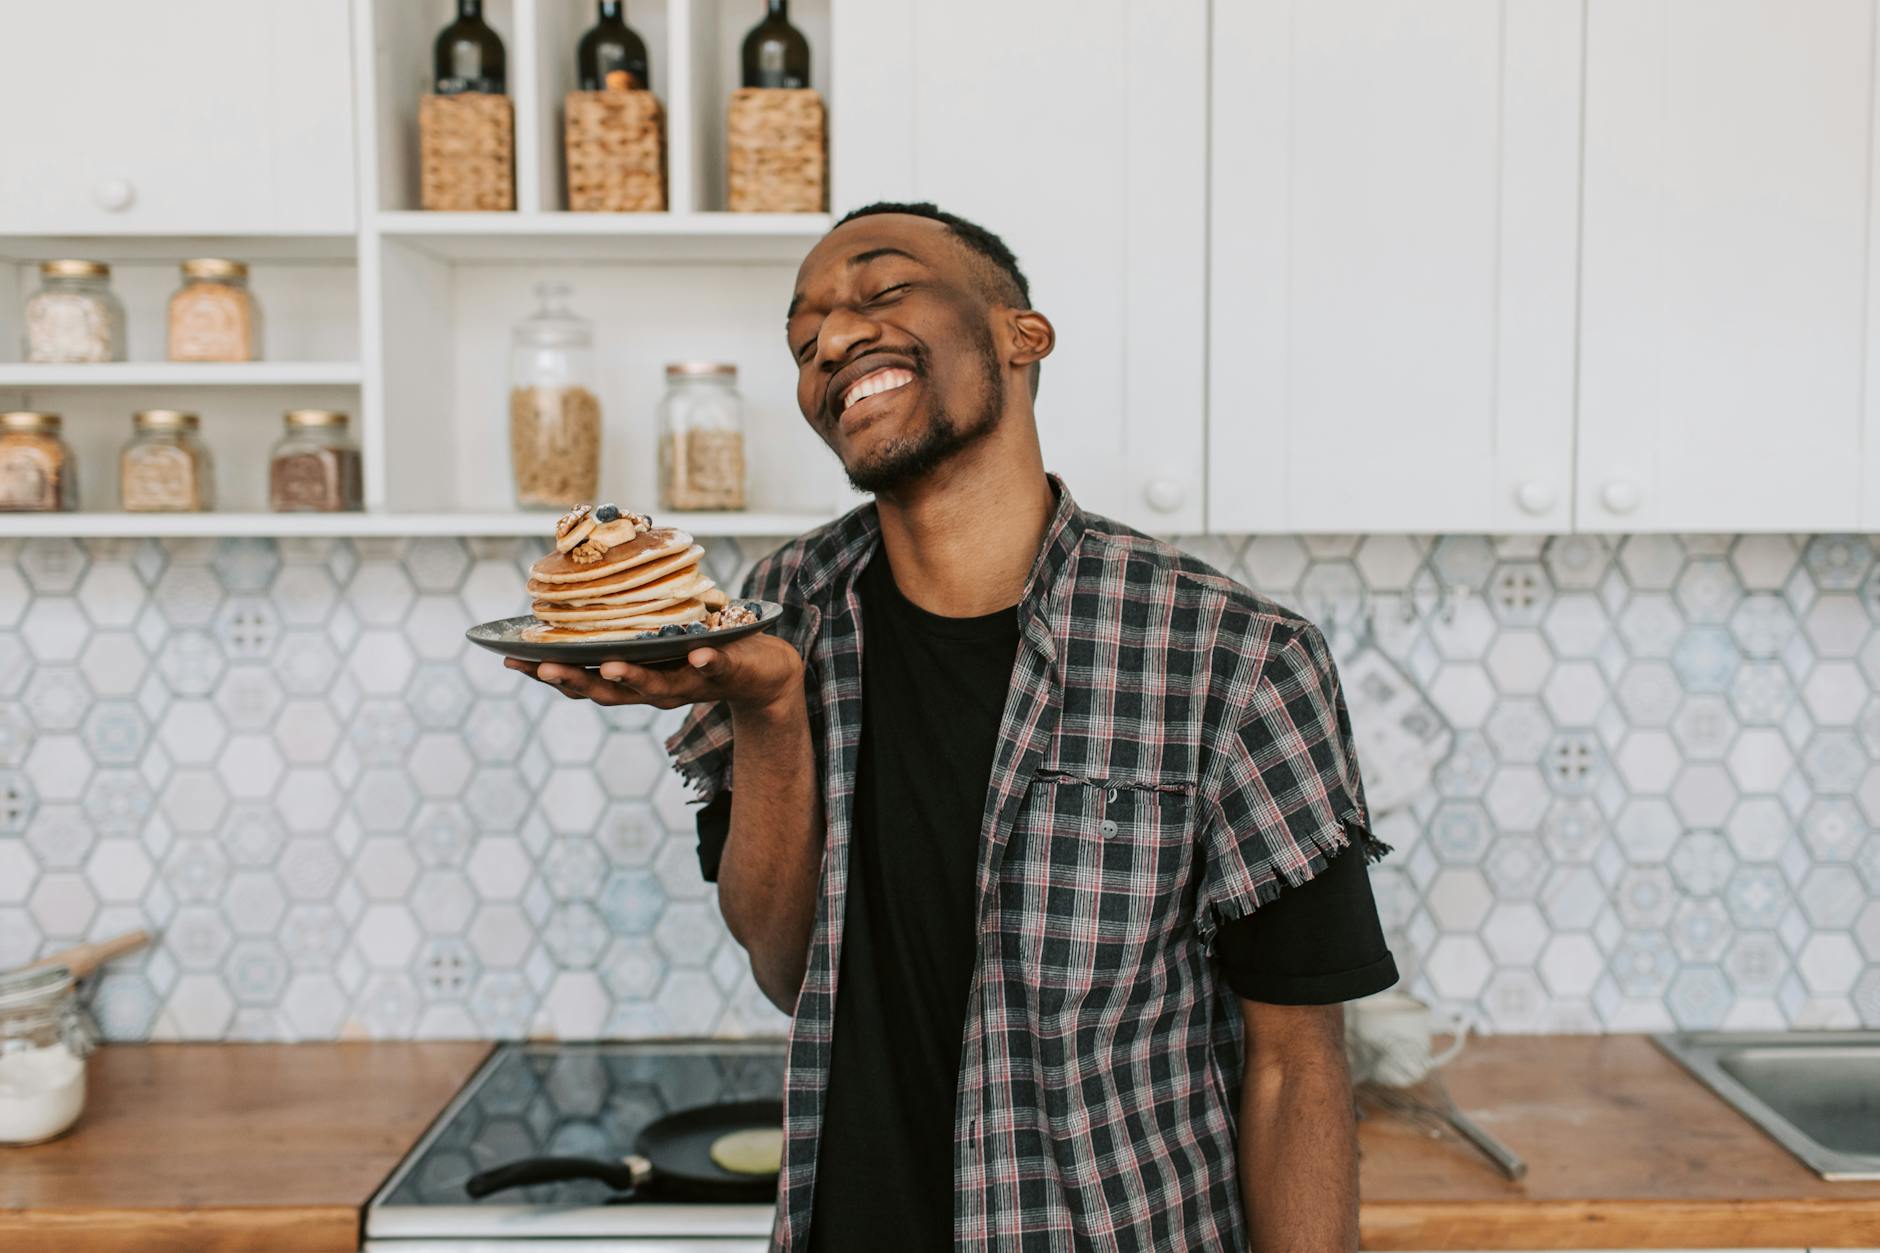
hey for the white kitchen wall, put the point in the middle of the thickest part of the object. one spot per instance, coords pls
(1631, 784)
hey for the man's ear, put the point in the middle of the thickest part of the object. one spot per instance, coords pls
(1033, 337)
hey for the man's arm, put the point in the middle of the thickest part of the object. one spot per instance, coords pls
(1298, 1131)
(767, 880)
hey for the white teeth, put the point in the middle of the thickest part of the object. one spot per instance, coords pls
(874, 384)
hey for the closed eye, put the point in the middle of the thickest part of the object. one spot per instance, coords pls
(885, 292)
(803, 348)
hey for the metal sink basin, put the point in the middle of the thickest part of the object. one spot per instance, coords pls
(1817, 1093)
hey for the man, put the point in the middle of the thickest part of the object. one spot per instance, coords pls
(1051, 837)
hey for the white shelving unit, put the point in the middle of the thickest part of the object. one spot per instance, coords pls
(406, 321)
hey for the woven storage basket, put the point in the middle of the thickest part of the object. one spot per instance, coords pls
(616, 148)
(776, 157)
(466, 146)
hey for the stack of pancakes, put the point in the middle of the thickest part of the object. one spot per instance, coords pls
(615, 576)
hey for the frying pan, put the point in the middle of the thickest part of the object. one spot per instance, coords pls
(671, 1160)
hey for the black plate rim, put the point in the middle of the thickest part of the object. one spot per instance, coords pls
(651, 648)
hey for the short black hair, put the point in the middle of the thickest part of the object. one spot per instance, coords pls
(1007, 285)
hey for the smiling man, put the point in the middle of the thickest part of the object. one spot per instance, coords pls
(1050, 837)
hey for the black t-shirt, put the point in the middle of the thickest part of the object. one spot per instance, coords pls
(934, 690)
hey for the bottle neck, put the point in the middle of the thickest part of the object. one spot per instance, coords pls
(611, 11)
(780, 10)
(471, 9)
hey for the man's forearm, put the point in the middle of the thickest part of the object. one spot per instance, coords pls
(1298, 1153)
(773, 854)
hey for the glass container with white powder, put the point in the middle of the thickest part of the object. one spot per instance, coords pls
(44, 1040)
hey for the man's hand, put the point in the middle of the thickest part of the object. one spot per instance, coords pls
(753, 673)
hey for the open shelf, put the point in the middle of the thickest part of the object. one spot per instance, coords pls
(341, 525)
(143, 246)
(563, 236)
(31, 375)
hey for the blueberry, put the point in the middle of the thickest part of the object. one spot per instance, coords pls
(755, 606)
(674, 629)
(607, 513)
(696, 628)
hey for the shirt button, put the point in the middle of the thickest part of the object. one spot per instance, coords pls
(1108, 827)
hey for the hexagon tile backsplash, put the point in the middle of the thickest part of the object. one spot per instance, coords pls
(1631, 784)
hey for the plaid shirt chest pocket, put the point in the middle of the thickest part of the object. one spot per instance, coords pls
(1098, 876)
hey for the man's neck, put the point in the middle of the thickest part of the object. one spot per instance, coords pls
(964, 539)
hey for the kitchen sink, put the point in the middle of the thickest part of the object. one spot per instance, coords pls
(1817, 1093)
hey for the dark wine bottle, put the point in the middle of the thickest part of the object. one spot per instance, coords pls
(468, 56)
(612, 56)
(775, 52)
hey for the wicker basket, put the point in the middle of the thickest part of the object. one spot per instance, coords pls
(776, 155)
(466, 147)
(615, 143)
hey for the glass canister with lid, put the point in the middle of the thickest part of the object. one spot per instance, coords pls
(74, 317)
(37, 473)
(213, 315)
(314, 467)
(554, 415)
(701, 438)
(45, 1038)
(166, 468)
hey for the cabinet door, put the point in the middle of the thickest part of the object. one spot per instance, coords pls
(1075, 129)
(1392, 265)
(197, 116)
(1727, 201)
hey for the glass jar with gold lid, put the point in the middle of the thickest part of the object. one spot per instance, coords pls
(74, 317)
(166, 468)
(213, 316)
(314, 467)
(37, 473)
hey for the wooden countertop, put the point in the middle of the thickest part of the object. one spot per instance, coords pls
(1625, 1150)
(215, 1147)
(210, 1148)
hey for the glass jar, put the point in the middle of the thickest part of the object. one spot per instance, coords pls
(554, 415)
(213, 315)
(701, 438)
(314, 467)
(44, 1040)
(74, 316)
(37, 473)
(166, 468)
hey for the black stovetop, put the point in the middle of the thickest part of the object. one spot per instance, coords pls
(574, 1100)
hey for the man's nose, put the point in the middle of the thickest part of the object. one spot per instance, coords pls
(842, 331)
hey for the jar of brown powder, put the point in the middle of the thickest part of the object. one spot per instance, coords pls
(213, 316)
(314, 467)
(36, 470)
(166, 468)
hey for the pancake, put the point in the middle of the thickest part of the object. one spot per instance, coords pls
(636, 576)
(756, 1151)
(564, 615)
(624, 629)
(562, 568)
(675, 586)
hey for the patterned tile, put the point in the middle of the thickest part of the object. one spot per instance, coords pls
(1659, 804)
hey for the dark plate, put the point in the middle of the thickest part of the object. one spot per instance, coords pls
(505, 636)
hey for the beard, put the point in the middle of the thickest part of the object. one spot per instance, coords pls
(909, 458)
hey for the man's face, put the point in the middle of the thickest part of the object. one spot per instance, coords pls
(897, 364)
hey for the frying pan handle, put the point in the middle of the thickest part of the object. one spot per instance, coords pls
(623, 1176)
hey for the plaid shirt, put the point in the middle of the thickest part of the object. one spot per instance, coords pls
(1174, 751)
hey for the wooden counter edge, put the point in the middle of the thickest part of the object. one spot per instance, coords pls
(1521, 1223)
(208, 1229)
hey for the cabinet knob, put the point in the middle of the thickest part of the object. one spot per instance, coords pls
(1620, 496)
(1164, 495)
(1534, 497)
(113, 195)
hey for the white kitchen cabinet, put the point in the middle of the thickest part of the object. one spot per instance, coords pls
(1726, 266)
(1394, 210)
(200, 117)
(1075, 129)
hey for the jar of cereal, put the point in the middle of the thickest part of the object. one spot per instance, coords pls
(74, 316)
